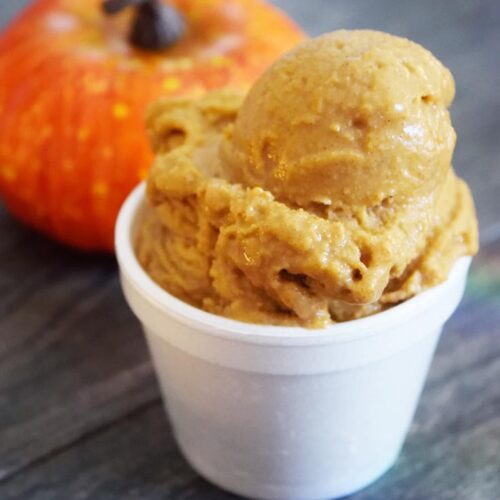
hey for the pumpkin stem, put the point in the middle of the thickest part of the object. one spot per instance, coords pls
(156, 25)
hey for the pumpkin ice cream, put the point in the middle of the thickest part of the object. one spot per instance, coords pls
(326, 194)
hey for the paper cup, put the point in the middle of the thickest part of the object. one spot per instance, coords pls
(281, 412)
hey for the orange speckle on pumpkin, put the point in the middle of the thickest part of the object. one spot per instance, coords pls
(100, 189)
(95, 85)
(171, 83)
(184, 63)
(107, 153)
(8, 173)
(177, 64)
(120, 110)
(82, 134)
(68, 95)
(220, 61)
(37, 108)
(67, 165)
(133, 63)
(197, 90)
(46, 132)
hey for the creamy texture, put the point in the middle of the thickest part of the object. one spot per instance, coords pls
(325, 195)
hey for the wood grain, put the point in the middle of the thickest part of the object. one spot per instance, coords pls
(72, 357)
(452, 450)
(80, 415)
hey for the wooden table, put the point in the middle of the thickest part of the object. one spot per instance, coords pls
(80, 413)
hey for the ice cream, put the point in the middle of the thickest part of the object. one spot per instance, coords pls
(325, 194)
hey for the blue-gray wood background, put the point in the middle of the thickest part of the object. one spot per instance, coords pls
(80, 414)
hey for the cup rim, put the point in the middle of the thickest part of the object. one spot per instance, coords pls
(222, 327)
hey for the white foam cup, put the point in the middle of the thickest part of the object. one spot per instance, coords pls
(286, 412)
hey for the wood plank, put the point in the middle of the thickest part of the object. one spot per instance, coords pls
(72, 356)
(452, 450)
(135, 459)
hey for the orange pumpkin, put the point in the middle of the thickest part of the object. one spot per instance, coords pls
(73, 92)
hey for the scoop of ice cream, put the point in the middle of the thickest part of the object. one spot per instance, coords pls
(349, 118)
(326, 195)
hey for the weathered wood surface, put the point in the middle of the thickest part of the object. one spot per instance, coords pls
(80, 415)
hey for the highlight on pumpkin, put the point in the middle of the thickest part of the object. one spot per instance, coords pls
(73, 96)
